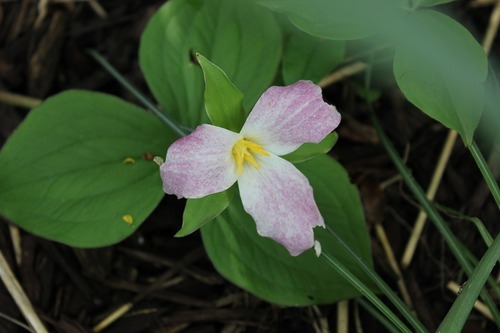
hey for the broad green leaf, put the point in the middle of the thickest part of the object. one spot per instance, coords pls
(222, 98)
(429, 3)
(264, 268)
(79, 169)
(339, 19)
(441, 69)
(310, 58)
(310, 150)
(243, 39)
(203, 210)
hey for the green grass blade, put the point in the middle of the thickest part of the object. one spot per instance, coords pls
(433, 215)
(363, 289)
(377, 315)
(143, 99)
(391, 295)
(486, 172)
(459, 312)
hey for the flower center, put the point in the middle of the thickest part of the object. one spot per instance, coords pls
(243, 150)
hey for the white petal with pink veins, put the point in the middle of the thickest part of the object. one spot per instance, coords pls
(280, 200)
(286, 117)
(201, 163)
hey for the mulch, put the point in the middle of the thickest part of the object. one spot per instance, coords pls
(169, 283)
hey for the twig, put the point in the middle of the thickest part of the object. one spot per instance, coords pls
(342, 73)
(382, 236)
(343, 316)
(98, 8)
(15, 236)
(112, 317)
(16, 322)
(19, 296)
(19, 100)
(431, 193)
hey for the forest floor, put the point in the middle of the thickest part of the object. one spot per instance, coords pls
(169, 282)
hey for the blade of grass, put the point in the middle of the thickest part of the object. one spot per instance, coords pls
(444, 230)
(459, 312)
(486, 172)
(143, 99)
(453, 243)
(477, 222)
(377, 315)
(365, 291)
(391, 295)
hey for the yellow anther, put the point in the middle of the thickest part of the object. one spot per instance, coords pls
(243, 150)
(129, 160)
(129, 219)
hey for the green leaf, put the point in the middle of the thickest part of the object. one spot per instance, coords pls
(429, 3)
(264, 267)
(310, 58)
(310, 150)
(339, 19)
(203, 210)
(79, 169)
(243, 39)
(222, 98)
(441, 69)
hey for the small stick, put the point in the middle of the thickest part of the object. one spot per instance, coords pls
(483, 309)
(382, 236)
(431, 193)
(19, 296)
(113, 317)
(343, 316)
(19, 100)
(15, 236)
(342, 73)
(98, 8)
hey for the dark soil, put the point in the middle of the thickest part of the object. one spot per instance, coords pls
(170, 282)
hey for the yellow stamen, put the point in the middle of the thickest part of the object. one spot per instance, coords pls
(243, 150)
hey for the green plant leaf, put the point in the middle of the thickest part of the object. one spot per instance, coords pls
(223, 101)
(203, 210)
(310, 150)
(79, 169)
(310, 58)
(243, 39)
(339, 19)
(264, 268)
(429, 3)
(441, 69)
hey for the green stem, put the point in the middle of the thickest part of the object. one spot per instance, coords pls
(143, 99)
(486, 172)
(365, 291)
(459, 312)
(432, 213)
(391, 295)
(377, 315)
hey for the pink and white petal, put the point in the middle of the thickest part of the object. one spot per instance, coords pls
(286, 117)
(200, 163)
(280, 200)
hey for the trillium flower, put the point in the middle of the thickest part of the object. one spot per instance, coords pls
(277, 195)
